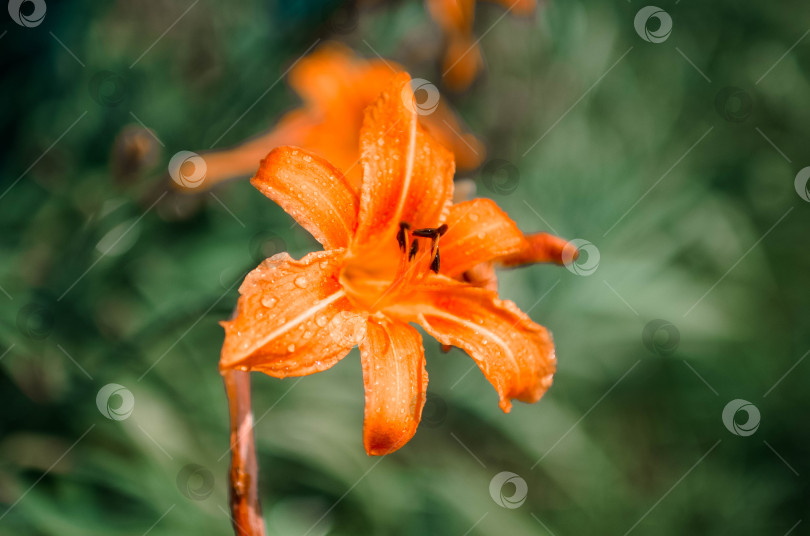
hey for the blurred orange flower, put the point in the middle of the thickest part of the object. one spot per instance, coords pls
(462, 59)
(336, 86)
(395, 252)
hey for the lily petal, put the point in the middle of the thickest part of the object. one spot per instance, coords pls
(292, 318)
(462, 61)
(395, 380)
(518, 7)
(334, 80)
(478, 231)
(407, 175)
(515, 354)
(448, 128)
(541, 247)
(312, 191)
(242, 161)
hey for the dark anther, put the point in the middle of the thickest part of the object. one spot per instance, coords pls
(427, 232)
(442, 229)
(403, 245)
(414, 250)
(435, 264)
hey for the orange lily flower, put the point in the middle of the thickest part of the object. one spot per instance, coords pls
(463, 59)
(336, 86)
(395, 252)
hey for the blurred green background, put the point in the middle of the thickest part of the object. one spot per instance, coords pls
(685, 187)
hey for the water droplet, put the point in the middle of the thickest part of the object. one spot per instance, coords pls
(324, 265)
(291, 348)
(307, 334)
(321, 321)
(269, 301)
(301, 281)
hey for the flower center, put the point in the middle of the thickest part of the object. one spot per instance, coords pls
(376, 273)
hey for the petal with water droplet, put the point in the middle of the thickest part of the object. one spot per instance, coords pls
(515, 354)
(395, 381)
(289, 339)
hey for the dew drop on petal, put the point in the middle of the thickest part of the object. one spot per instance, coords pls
(321, 320)
(291, 348)
(473, 217)
(301, 281)
(269, 301)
